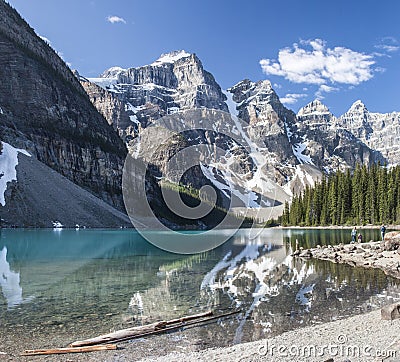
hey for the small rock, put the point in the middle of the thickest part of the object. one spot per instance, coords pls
(390, 312)
(306, 254)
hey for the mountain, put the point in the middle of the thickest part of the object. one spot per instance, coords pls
(282, 149)
(34, 195)
(45, 111)
(252, 150)
(379, 131)
(174, 82)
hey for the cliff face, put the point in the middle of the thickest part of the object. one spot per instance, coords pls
(45, 110)
(134, 98)
(329, 145)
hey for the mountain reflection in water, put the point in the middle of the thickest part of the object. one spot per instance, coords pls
(113, 279)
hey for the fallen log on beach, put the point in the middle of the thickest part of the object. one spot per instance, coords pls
(100, 343)
(194, 323)
(136, 332)
(37, 352)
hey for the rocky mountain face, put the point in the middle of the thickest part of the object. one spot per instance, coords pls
(33, 195)
(45, 110)
(290, 150)
(176, 81)
(380, 132)
(329, 145)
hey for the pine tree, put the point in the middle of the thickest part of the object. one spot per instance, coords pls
(369, 195)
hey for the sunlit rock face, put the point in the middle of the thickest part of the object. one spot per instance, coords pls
(290, 150)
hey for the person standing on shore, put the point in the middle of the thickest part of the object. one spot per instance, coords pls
(354, 235)
(383, 231)
(359, 238)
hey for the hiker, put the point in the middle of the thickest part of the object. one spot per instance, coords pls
(353, 235)
(383, 231)
(359, 238)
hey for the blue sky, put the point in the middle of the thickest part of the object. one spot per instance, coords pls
(338, 51)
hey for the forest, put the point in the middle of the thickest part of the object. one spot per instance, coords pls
(368, 195)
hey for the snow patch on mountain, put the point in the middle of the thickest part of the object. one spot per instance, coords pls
(231, 103)
(223, 182)
(8, 164)
(301, 178)
(171, 57)
(298, 150)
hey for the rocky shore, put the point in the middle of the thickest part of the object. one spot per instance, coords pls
(384, 255)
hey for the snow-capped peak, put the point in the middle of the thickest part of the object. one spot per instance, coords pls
(315, 107)
(112, 72)
(171, 57)
(265, 84)
(358, 106)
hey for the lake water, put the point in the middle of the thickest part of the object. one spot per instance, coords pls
(80, 283)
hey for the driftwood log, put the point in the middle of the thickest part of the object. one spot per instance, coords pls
(37, 352)
(136, 331)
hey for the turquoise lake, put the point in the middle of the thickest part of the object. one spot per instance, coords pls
(80, 283)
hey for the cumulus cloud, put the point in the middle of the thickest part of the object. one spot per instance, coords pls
(292, 98)
(115, 19)
(312, 62)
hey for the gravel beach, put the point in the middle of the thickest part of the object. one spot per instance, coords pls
(360, 338)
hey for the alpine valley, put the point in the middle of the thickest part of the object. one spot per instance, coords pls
(71, 134)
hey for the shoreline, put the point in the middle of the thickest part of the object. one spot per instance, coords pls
(383, 255)
(340, 227)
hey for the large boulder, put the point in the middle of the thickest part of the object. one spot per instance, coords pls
(392, 241)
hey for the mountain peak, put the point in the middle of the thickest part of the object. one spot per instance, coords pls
(112, 72)
(316, 107)
(171, 57)
(358, 106)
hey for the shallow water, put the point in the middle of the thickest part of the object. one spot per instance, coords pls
(80, 283)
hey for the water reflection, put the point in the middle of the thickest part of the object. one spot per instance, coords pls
(97, 280)
(9, 281)
(309, 238)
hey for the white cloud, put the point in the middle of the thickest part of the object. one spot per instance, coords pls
(291, 98)
(312, 62)
(115, 19)
(323, 88)
(380, 69)
(388, 48)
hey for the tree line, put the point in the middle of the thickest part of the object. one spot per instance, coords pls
(368, 195)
